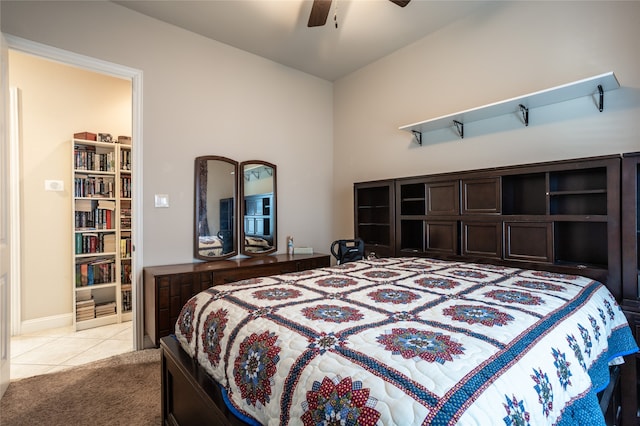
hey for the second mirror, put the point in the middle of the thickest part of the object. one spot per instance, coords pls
(258, 207)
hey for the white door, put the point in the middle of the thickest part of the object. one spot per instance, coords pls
(5, 335)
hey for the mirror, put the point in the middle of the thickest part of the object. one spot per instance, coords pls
(258, 207)
(216, 228)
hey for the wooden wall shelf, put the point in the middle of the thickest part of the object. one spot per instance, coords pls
(596, 85)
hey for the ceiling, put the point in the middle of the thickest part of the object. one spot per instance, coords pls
(277, 29)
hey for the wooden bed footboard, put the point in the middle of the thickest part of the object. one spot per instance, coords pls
(189, 395)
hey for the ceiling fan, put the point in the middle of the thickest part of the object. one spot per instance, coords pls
(320, 11)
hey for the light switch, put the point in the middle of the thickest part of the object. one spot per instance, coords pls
(53, 185)
(162, 200)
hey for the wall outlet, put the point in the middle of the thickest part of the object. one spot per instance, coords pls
(53, 185)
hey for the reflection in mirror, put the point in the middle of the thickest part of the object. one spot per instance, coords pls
(215, 208)
(258, 192)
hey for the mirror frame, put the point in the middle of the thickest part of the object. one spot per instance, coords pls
(197, 205)
(273, 207)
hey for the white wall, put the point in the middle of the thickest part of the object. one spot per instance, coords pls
(506, 51)
(55, 102)
(201, 97)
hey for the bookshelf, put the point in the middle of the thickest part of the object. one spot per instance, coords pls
(102, 217)
(374, 207)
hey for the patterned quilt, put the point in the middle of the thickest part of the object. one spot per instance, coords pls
(409, 341)
(210, 246)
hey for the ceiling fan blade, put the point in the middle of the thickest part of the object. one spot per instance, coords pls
(319, 13)
(401, 3)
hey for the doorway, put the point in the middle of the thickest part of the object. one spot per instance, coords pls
(59, 59)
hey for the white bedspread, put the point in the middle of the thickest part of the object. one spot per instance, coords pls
(409, 341)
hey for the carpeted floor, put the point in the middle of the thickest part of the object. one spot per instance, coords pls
(121, 390)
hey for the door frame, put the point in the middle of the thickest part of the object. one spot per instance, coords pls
(5, 226)
(119, 71)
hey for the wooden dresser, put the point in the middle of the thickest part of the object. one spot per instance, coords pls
(167, 288)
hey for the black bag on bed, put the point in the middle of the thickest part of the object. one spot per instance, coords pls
(347, 250)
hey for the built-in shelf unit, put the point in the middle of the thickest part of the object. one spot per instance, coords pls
(101, 222)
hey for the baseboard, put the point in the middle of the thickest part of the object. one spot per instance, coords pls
(46, 323)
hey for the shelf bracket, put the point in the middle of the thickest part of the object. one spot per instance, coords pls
(459, 128)
(418, 136)
(601, 105)
(525, 114)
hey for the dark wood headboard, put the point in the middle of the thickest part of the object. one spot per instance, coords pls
(561, 216)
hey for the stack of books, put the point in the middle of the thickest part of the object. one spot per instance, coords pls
(105, 309)
(85, 309)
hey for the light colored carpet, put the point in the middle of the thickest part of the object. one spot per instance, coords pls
(121, 390)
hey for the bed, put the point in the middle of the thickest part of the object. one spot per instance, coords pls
(254, 244)
(210, 245)
(396, 341)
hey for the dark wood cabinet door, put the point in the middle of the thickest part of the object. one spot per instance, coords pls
(443, 198)
(631, 227)
(528, 241)
(482, 239)
(481, 196)
(441, 237)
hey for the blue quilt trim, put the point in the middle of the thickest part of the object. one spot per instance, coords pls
(621, 343)
(583, 411)
(238, 414)
(587, 410)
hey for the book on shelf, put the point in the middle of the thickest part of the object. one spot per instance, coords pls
(125, 272)
(87, 157)
(125, 246)
(93, 186)
(85, 303)
(94, 218)
(108, 219)
(126, 298)
(107, 204)
(109, 243)
(85, 309)
(94, 271)
(125, 187)
(105, 309)
(84, 205)
(85, 316)
(83, 294)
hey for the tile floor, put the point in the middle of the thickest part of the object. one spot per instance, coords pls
(60, 348)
